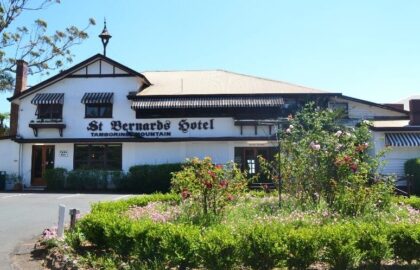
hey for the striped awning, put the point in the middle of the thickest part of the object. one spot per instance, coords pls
(95, 98)
(406, 139)
(206, 102)
(48, 98)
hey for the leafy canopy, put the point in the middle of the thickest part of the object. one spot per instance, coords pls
(41, 50)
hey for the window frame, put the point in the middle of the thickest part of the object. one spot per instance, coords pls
(98, 108)
(107, 157)
(49, 112)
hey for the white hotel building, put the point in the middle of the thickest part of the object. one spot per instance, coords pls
(101, 114)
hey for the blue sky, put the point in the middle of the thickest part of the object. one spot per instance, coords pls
(365, 49)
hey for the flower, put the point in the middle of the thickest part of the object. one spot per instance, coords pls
(208, 184)
(338, 133)
(219, 166)
(353, 167)
(288, 130)
(223, 184)
(230, 197)
(185, 194)
(315, 146)
(291, 127)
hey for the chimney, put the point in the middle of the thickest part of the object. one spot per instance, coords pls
(415, 112)
(21, 76)
(20, 86)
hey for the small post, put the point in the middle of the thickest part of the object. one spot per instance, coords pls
(73, 214)
(61, 213)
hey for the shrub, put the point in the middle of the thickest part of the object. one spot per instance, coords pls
(339, 242)
(413, 201)
(218, 249)
(405, 242)
(55, 178)
(210, 187)
(412, 168)
(87, 180)
(263, 247)
(303, 248)
(180, 243)
(148, 178)
(373, 244)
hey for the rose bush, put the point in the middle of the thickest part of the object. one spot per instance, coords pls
(208, 187)
(322, 160)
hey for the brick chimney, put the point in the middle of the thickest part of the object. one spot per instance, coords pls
(415, 112)
(20, 86)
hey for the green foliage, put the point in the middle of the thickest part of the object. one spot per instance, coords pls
(405, 242)
(321, 160)
(373, 244)
(55, 179)
(413, 201)
(340, 244)
(42, 51)
(218, 249)
(75, 238)
(180, 243)
(87, 180)
(148, 178)
(207, 186)
(257, 244)
(303, 248)
(412, 168)
(263, 246)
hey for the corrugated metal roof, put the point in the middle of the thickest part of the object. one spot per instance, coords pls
(402, 139)
(206, 102)
(95, 98)
(215, 82)
(48, 98)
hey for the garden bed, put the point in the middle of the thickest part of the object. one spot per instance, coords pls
(151, 232)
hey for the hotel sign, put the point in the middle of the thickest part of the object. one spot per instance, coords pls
(157, 128)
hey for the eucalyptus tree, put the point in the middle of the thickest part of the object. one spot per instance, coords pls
(42, 49)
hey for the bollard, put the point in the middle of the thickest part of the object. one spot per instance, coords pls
(73, 214)
(61, 213)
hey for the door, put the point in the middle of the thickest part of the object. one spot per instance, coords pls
(247, 158)
(42, 160)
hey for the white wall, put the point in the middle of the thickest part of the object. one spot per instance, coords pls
(395, 157)
(9, 153)
(363, 111)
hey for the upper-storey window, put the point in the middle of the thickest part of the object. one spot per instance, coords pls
(98, 111)
(342, 107)
(49, 106)
(49, 111)
(98, 105)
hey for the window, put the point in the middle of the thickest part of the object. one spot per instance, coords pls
(98, 110)
(49, 112)
(247, 158)
(98, 156)
(342, 107)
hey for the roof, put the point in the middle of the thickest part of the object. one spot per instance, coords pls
(188, 102)
(406, 101)
(383, 106)
(217, 82)
(393, 125)
(75, 68)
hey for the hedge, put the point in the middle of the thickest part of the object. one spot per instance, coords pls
(139, 179)
(412, 168)
(257, 246)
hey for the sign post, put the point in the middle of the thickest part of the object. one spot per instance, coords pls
(61, 213)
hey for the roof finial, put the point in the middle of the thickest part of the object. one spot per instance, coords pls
(105, 37)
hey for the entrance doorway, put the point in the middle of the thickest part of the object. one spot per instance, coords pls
(42, 160)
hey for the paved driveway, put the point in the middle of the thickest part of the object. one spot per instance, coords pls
(24, 215)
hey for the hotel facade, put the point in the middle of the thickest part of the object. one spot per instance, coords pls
(100, 114)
